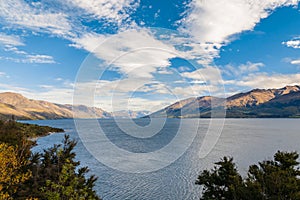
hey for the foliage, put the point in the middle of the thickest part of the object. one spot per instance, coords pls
(15, 133)
(223, 182)
(53, 174)
(11, 171)
(276, 179)
(56, 175)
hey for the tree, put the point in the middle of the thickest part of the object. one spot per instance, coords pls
(53, 174)
(277, 179)
(56, 175)
(223, 182)
(70, 186)
(11, 171)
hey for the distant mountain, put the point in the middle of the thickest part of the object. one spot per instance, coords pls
(190, 107)
(283, 102)
(258, 96)
(24, 108)
(129, 114)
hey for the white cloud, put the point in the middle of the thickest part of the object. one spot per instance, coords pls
(48, 93)
(242, 69)
(205, 81)
(197, 90)
(293, 43)
(138, 54)
(208, 75)
(12, 88)
(112, 10)
(88, 41)
(295, 62)
(53, 94)
(250, 67)
(264, 80)
(14, 49)
(10, 40)
(135, 53)
(119, 95)
(134, 103)
(215, 23)
(44, 59)
(164, 71)
(27, 58)
(20, 13)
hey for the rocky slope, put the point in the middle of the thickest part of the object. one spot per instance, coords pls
(283, 102)
(23, 108)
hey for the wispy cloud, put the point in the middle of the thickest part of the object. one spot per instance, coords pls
(12, 88)
(10, 40)
(23, 56)
(115, 11)
(236, 71)
(28, 58)
(264, 80)
(39, 59)
(134, 53)
(295, 43)
(18, 13)
(209, 75)
(14, 50)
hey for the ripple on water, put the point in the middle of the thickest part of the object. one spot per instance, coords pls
(248, 141)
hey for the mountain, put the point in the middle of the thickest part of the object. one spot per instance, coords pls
(83, 111)
(24, 108)
(258, 96)
(283, 102)
(129, 114)
(190, 107)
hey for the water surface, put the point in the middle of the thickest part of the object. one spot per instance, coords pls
(247, 140)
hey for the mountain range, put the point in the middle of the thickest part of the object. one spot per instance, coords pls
(123, 114)
(14, 104)
(257, 103)
(283, 102)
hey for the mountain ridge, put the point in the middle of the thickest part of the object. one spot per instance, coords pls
(282, 102)
(15, 104)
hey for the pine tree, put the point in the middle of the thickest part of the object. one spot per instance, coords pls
(56, 174)
(277, 179)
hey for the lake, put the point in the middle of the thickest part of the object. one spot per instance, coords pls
(171, 160)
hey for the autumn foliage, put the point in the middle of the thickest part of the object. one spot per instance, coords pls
(51, 175)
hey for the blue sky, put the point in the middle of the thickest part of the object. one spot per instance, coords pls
(144, 55)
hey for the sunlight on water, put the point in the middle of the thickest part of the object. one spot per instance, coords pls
(247, 140)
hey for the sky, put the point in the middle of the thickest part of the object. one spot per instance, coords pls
(146, 54)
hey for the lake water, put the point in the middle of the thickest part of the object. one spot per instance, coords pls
(247, 140)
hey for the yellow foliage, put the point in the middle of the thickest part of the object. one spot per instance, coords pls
(10, 170)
